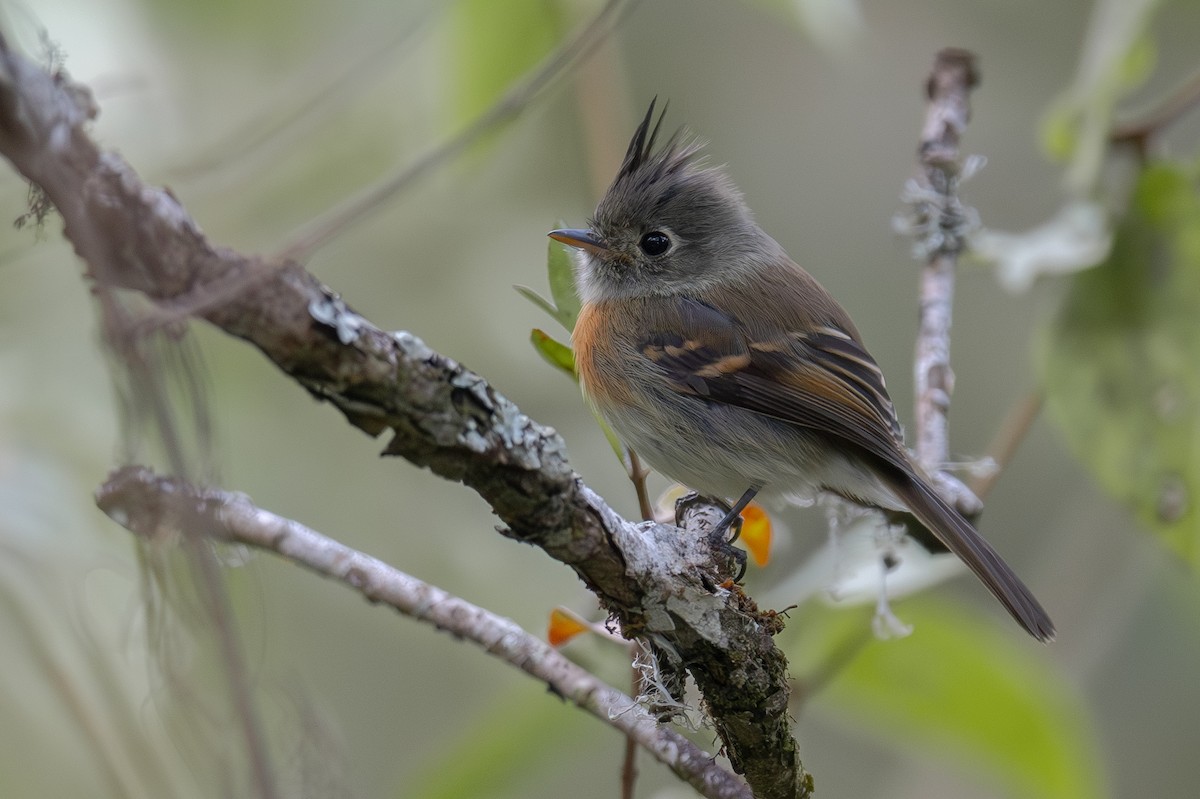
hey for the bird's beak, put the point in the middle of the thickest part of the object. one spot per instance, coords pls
(582, 239)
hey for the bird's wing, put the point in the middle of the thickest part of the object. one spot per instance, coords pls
(819, 378)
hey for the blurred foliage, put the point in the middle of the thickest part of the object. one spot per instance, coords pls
(494, 44)
(1118, 55)
(1121, 363)
(958, 689)
(509, 746)
(830, 24)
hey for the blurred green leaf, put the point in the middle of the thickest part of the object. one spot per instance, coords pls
(1121, 363)
(1139, 61)
(537, 299)
(518, 739)
(561, 275)
(1059, 134)
(617, 447)
(555, 353)
(1117, 56)
(965, 689)
(495, 44)
(562, 284)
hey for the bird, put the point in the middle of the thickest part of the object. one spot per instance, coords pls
(729, 368)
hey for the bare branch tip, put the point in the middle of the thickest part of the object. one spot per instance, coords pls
(957, 67)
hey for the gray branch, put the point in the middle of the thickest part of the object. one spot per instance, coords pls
(152, 507)
(940, 222)
(660, 583)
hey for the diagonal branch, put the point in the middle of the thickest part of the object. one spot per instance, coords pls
(661, 583)
(151, 506)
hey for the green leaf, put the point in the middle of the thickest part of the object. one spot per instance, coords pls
(966, 690)
(617, 447)
(495, 44)
(1121, 363)
(537, 299)
(562, 284)
(566, 303)
(556, 353)
(565, 309)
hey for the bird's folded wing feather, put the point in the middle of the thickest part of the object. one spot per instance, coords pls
(821, 378)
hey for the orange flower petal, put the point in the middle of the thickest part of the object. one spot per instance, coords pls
(756, 533)
(564, 626)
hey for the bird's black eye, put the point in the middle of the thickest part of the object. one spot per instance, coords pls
(655, 243)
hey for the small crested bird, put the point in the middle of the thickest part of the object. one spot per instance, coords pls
(730, 369)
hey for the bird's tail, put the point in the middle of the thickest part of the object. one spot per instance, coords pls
(963, 540)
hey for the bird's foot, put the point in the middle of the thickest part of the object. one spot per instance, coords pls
(720, 535)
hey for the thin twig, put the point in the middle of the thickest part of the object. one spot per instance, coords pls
(1139, 132)
(151, 506)
(629, 772)
(1013, 430)
(830, 666)
(319, 231)
(321, 91)
(939, 223)
(637, 475)
(946, 117)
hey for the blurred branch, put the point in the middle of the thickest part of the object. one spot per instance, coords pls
(310, 95)
(1139, 132)
(154, 507)
(321, 230)
(1012, 432)
(831, 665)
(660, 582)
(939, 222)
(629, 772)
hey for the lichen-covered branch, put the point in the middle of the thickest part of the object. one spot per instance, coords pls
(660, 583)
(154, 507)
(939, 223)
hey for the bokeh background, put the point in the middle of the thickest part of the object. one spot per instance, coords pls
(260, 116)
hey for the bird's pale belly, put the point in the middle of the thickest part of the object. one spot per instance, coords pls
(721, 450)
